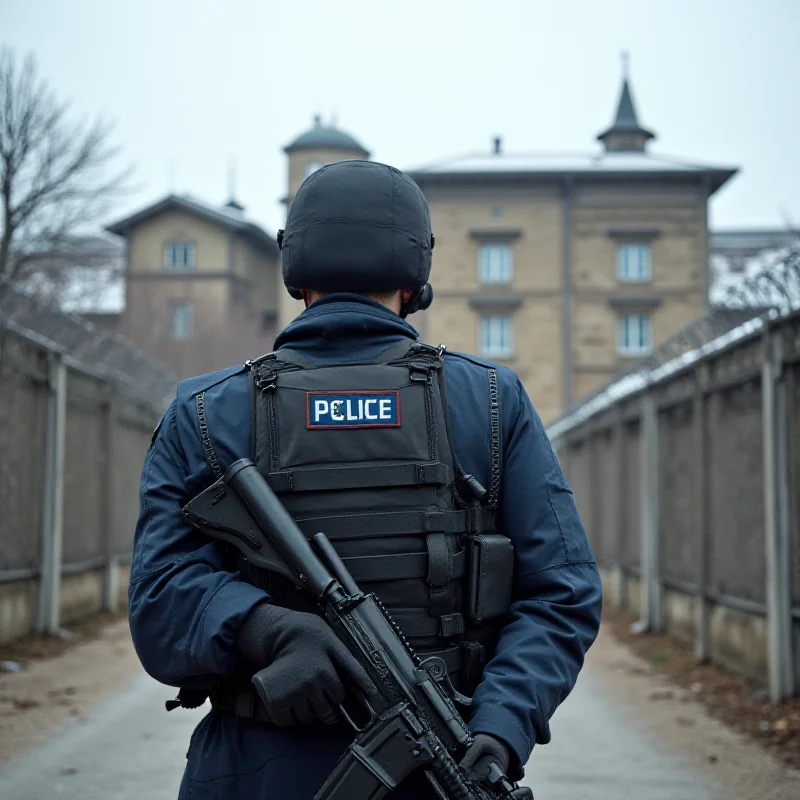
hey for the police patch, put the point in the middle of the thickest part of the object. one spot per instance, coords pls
(375, 409)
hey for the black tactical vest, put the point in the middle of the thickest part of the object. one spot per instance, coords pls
(364, 453)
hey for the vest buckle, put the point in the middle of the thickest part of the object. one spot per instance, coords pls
(419, 373)
(451, 625)
(265, 381)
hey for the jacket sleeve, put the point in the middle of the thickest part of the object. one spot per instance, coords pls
(184, 608)
(557, 595)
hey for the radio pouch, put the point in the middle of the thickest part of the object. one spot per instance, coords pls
(491, 568)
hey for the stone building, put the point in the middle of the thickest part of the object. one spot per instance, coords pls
(201, 284)
(562, 266)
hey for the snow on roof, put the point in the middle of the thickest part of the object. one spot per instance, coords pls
(227, 216)
(730, 278)
(566, 162)
(741, 263)
(225, 213)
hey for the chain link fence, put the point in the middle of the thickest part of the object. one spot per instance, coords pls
(686, 472)
(77, 409)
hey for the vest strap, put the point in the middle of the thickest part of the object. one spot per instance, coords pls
(416, 624)
(358, 477)
(386, 523)
(439, 561)
(400, 567)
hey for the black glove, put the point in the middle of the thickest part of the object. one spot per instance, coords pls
(306, 668)
(485, 751)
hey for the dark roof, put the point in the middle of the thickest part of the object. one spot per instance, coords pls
(228, 217)
(625, 120)
(325, 137)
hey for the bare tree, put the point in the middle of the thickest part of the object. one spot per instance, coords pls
(56, 179)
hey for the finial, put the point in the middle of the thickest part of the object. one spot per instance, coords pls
(625, 56)
(232, 177)
(317, 119)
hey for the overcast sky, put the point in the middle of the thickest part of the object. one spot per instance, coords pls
(191, 84)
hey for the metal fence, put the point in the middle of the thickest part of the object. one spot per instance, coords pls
(77, 409)
(686, 471)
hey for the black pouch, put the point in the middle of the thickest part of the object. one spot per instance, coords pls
(491, 569)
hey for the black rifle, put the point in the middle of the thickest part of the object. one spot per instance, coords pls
(411, 723)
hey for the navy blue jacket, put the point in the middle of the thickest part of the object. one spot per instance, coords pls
(185, 609)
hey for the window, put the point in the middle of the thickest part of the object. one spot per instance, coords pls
(179, 255)
(495, 263)
(312, 167)
(496, 337)
(634, 337)
(181, 321)
(634, 263)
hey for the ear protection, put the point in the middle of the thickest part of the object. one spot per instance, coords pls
(419, 301)
(421, 298)
(294, 293)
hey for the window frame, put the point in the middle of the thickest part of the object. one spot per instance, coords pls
(174, 306)
(644, 323)
(189, 247)
(485, 336)
(307, 171)
(505, 271)
(644, 272)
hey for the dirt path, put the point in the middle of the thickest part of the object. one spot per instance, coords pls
(49, 691)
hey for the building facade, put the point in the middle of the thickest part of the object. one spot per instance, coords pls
(563, 267)
(201, 285)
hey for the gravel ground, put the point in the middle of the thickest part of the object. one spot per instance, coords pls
(87, 724)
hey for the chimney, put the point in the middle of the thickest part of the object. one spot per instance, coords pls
(498, 145)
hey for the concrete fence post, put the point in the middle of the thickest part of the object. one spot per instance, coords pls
(649, 556)
(776, 520)
(702, 533)
(618, 466)
(48, 620)
(111, 582)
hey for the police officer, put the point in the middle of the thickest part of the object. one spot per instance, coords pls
(420, 465)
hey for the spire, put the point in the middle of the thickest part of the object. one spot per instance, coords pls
(233, 204)
(625, 133)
